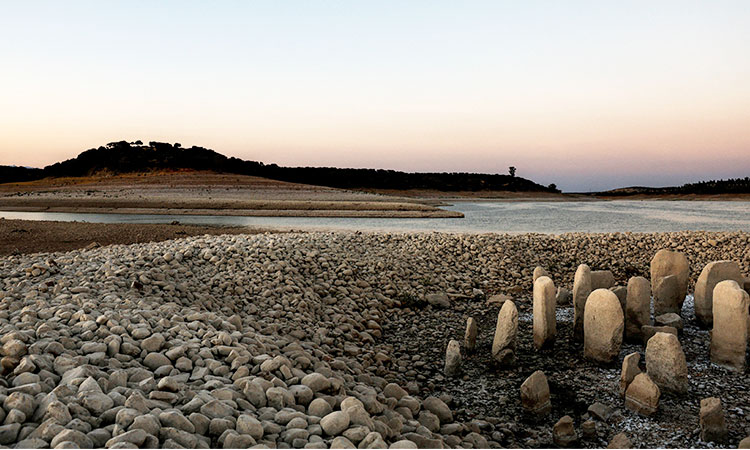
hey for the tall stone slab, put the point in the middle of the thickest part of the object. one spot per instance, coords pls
(642, 395)
(535, 396)
(602, 279)
(622, 294)
(667, 262)
(539, 271)
(545, 323)
(506, 331)
(629, 370)
(730, 332)
(452, 359)
(581, 291)
(470, 336)
(603, 326)
(666, 364)
(667, 296)
(637, 308)
(712, 274)
(713, 426)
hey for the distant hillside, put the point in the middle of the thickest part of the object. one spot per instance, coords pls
(16, 173)
(713, 187)
(123, 157)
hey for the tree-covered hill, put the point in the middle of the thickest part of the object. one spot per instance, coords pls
(712, 187)
(124, 157)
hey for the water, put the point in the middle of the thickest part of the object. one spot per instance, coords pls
(482, 217)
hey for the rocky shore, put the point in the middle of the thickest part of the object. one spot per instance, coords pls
(316, 340)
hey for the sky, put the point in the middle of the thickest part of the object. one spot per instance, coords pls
(589, 95)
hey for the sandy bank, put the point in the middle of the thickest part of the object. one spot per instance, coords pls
(205, 193)
(250, 209)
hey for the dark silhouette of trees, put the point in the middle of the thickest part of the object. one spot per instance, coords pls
(712, 187)
(512, 171)
(10, 174)
(123, 157)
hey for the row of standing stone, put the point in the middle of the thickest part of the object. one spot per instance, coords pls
(605, 314)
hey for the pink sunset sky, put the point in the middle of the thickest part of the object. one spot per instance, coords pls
(588, 95)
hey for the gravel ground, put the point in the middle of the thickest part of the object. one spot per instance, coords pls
(322, 339)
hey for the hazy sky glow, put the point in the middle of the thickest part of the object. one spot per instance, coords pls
(588, 95)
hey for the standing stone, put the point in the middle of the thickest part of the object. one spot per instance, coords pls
(711, 275)
(564, 432)
(545, 324)
(581, 291)
(504, 343)
(668, 262)
(535, 397)
(539, 272)
(667, 297)
(602, 279)
(603, 325)
(621, 440)
(452, 358)
(665, 363)
(713, 427)
(642, 395)
(649, 331)
(600, 411)
(588, 429)
(637, 308)
(729, 335)
(630, 370)
(622, 294)
(470, 336)
(563, 296)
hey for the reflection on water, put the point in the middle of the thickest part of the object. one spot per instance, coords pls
(482, 217)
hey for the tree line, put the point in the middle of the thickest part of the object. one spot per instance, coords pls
(711, 187)
(124, 157)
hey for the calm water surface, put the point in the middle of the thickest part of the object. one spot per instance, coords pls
(482, 217)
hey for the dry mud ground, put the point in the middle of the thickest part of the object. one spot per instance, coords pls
(31, 236)
(204, 193)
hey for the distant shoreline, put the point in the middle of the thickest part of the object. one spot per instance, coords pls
(206, 193)
(443, 198)
(213, 194)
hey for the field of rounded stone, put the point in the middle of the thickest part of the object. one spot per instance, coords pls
(316, 340)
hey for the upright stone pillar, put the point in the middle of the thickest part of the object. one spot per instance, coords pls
(506, 331)
(545, 324)
(637, 308)
(539, 271)
(667, 262)
(603, 326)
(581, 291)
(712, 274)
(729, 335)
(666, 364)
(470, 336)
